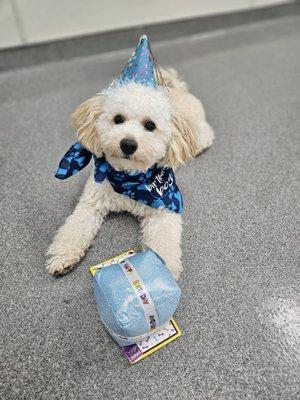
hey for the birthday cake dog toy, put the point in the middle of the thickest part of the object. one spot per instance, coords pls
(135, 296)
(136, 133)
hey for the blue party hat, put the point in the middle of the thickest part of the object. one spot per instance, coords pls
(140, 67)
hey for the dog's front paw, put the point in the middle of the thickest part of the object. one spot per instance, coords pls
(176, 269)
(174, 265)
(60, 264)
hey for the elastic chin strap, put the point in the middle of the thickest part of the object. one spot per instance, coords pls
(77, 158)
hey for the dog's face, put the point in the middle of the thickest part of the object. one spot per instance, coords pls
(134, 126)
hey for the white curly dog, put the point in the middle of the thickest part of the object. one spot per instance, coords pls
(179, 132)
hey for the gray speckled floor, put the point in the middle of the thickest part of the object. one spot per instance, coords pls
(238, 311)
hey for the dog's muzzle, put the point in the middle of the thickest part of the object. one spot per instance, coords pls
(128, 146)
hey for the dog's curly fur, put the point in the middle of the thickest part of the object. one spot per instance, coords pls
(181, 133)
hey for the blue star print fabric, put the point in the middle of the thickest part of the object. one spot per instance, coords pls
(75, 159)
(156, 187)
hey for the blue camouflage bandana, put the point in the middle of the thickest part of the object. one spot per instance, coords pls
(156, 187)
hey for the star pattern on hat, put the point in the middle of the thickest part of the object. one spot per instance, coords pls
(140, 67)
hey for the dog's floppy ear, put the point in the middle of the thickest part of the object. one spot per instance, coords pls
(182, 145)
(84, 121)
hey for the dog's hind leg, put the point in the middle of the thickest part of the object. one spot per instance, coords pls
(79, 230)
(161, 230)
(205, 136)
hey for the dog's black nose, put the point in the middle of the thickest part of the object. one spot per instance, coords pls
(128, 146)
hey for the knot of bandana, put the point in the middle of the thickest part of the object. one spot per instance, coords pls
(156, 187)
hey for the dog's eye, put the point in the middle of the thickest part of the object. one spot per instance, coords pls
(119, 119)
(150, 126)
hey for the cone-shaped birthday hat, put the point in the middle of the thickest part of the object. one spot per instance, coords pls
(140, 67)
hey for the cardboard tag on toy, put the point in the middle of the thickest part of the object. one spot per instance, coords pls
(155, 341)
(112, 260)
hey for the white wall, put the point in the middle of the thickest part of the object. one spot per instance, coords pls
(34, 21)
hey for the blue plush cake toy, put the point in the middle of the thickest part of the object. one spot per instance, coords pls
(135, 296)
